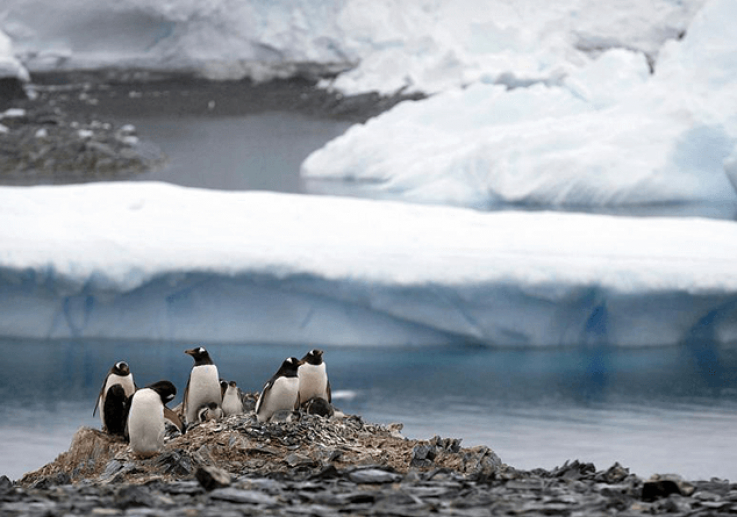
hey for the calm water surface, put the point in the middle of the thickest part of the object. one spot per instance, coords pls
(255, 152)
(664, 409)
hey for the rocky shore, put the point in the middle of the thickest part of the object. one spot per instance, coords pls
(311, 465)
(72, 126)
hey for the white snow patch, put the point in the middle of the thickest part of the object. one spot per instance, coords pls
(155, 261)
(609, 134)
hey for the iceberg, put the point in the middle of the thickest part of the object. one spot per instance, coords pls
(151, 261)
(382, 45)
(10, 67)
(609, 134)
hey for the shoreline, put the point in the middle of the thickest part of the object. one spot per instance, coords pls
(318, 466)
(72, 127)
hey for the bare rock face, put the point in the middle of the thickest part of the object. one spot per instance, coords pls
(240, 445)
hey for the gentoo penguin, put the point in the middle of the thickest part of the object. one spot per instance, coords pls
(313, 377)
(232, 402)
(209, 411)
(203, 385)
(115, 409)
(146, 417)
(118, 374)
(281, 392)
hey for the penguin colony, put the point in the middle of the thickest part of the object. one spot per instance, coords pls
(140, 414)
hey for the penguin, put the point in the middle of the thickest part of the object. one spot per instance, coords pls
(280, 392)
(313, 377)
(115, 410)
(232, 402)
(209, 411)
(146, 427)
(203, 385)
(119, 374)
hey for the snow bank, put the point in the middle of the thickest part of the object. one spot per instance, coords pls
(427, 45)
(609, 134)
(10, 67)
(155, 261)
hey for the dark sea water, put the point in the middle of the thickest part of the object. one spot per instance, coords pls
(255, 152)
(659, 409)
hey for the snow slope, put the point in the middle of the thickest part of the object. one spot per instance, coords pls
(9, 65)
(609, 134)
(425, 45)
(155, 261)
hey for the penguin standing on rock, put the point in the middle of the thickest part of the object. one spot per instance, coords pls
(115, 409)
(114, 412)
(146, 427)
(313, 377)
(280, 392)
(203, 385)
(232, 401)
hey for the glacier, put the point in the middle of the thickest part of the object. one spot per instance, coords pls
(152, 261)
(610, 133)
(383, 45)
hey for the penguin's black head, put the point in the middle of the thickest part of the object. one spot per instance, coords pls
(314, 357)
(232, 384)
(166, 390)
(289, 367)
(121, 368)
(223, 387)
(200, 355)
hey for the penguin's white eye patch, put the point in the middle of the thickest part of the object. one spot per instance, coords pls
(201, 350)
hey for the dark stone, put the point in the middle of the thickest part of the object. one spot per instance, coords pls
(134, 496)
(374, 476)
(653, 490)
(423, 455)
(295, 460)
(211, 478)
(240, 496)
(614, 474)
(176, 463)
(327, 472)
(5, 483)
(11, 88)
(575, 470)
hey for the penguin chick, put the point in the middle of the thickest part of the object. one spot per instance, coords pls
(313, 377)
(280, 392)
(232, 401)
(318, 406)
(119, 374)
(209, 411)
(146, 417)
(115, 410)
(203, 385)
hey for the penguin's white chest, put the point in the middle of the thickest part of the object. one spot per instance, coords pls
(146, 422)
(128, 387)
(232, 404)
(282, 394)
(204, 387)
(313, 381)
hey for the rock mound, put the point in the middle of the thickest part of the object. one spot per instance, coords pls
(307, 445)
